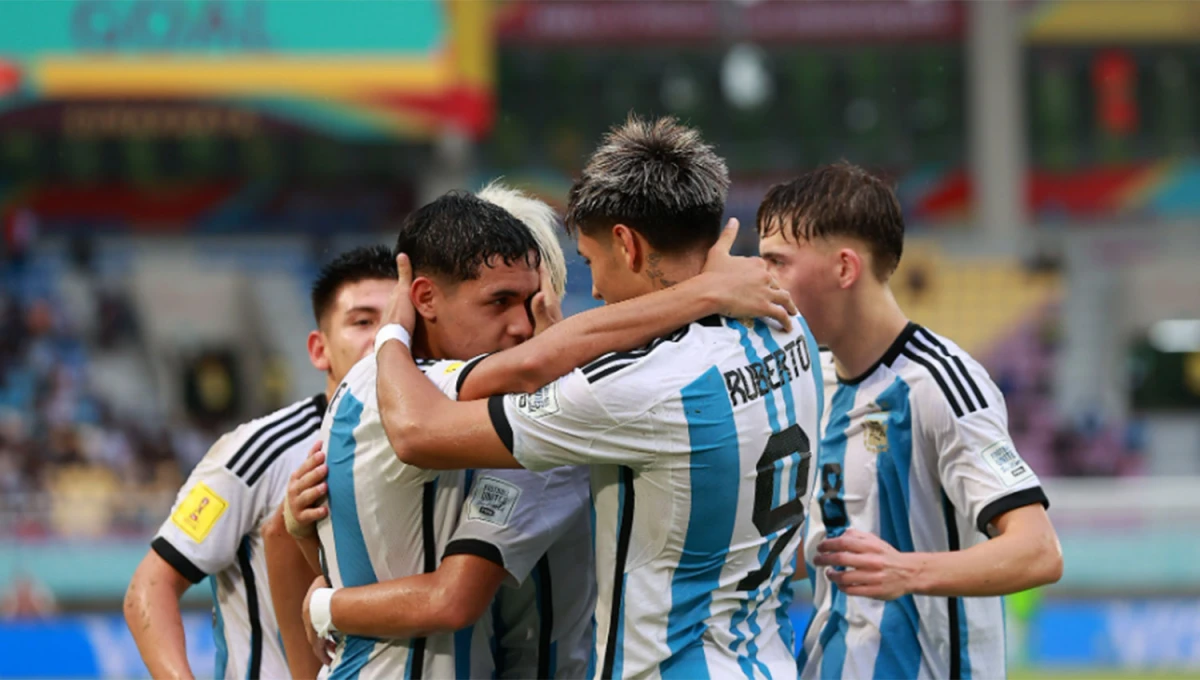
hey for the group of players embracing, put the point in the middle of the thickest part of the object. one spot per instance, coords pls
(486, 489)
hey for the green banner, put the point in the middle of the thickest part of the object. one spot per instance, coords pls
(34, 28)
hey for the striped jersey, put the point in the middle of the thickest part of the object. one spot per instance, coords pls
(916, 451)
(215, 530)
(536, 526)
(699, 446)
(388, 520)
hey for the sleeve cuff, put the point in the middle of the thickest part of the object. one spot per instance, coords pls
(177, 559)
(500, 420)
(476, 547)
(466, 370)
(1010, 502)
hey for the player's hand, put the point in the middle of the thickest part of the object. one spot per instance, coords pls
(743, 287)
(323, 648)
(400, 308)
(873, 567)
(306, 491)
(546, 306)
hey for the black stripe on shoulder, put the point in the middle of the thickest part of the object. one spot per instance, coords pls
(960, 390)
(178, 560)
(958, 412)
(614, 361)
(249, 443)
(959, 363)
(307, 420)
(286, 446)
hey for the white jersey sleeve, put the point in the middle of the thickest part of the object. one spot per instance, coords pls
(512, 517)
(232, 490)
(566, 423)
(979, 467)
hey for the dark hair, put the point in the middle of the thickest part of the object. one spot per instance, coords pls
(456, 234)
(838, 200)
(360, 264)
(658, 177)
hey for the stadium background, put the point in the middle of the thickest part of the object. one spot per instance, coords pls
(172, 173)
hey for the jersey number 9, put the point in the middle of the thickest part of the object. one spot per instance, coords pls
(769, 518)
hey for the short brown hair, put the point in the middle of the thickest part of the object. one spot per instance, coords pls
(656, 176)
(838, 200)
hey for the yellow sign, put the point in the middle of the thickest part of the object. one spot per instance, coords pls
(199, 512)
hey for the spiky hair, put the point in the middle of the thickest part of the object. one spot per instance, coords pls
(542, 223)
(658, 177)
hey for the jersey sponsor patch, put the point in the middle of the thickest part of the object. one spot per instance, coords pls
(493, 501)
(1008, 465)
(199, 512)
(539, 404)
(454, 366)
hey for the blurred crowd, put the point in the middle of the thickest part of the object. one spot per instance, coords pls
(71, 463)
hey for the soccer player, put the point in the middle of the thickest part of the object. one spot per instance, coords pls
(477, 267)
(699, 442)
(216, 525)
(926, 513)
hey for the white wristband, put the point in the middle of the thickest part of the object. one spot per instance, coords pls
(392, 331)
(319, 613)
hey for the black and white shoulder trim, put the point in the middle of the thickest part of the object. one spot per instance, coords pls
(948, 370)
(274, 436)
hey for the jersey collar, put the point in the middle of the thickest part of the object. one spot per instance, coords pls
(888, 357)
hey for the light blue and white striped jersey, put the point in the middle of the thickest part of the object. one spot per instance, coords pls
(916, 451)
(215, 530)
(388, 520)
(699, 446)
(535, 525)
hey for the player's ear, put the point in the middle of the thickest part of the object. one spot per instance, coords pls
(425, 294)
(627, 247)
(318, 351)
(850, 265)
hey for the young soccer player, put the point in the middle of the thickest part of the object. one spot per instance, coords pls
(477, 267)
(926, 513)
(216, 526)
(699, 442)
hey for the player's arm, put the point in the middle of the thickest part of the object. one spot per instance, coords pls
(152, 614)
(731, 286)
(425, 427)
(985, 480)
(428, 430)
(289, 575)
(216, 508)
(449, 599)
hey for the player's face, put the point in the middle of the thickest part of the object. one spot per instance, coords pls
(349, 329)
(612, 279)
(488, 313)
(807, 270)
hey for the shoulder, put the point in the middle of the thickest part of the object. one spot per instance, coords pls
(942, 375)
(250, 449)
(663, 366)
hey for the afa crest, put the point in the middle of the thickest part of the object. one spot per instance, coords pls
(875, 437)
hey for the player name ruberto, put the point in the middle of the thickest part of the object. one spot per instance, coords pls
(770, 372)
